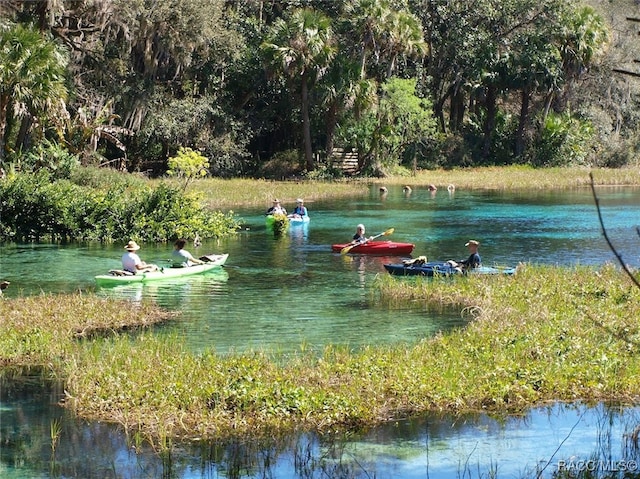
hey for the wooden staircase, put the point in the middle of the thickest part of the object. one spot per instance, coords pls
(345, 159)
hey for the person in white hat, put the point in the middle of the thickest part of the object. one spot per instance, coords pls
(300, 211)
(132, 263)
(473, 261)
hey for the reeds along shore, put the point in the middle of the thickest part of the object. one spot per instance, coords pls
(233, 193)
(545, 334)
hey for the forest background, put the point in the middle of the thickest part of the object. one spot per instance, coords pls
(268, 89)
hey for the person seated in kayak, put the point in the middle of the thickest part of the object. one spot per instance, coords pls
(181, 257)
(473, 261)
(277, 208)
(359, 237)
(300, 211)
(132, 263)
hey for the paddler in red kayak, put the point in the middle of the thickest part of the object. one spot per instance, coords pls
(360, 237)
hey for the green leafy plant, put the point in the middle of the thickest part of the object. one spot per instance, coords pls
(188, 165)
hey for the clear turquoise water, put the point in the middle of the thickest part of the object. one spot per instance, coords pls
(285, 293)
(290, 292)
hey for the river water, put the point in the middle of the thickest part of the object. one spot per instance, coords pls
(290, 292)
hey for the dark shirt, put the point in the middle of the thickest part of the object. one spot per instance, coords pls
(276, 210)
(473, 261)
(300, 210)
(358, 238)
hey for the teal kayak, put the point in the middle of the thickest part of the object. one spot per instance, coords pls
(116, 276)
(297, 220)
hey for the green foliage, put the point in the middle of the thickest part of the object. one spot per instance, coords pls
(404, 120)
(279, 224)
(324, 173)
(32, 82)
(282, 165)
(563, 140)
(47, 155)
(192, 73)
(33, 208)
(188, 165)
(106, 178)
(358, 132)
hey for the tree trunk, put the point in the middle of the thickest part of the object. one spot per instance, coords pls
(23, 140)
(456, 112)
(306, 124)
(4, 105)
(522, 123)
(332, 121)
(490, 121)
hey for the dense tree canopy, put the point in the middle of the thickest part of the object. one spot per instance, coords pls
(130, 82)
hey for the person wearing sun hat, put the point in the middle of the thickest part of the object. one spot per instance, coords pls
(300, 211)
(132, 263)
(473, 261)
(277, 208)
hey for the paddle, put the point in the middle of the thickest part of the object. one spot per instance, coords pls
(346, 249)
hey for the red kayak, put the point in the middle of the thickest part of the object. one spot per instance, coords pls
(377, 247)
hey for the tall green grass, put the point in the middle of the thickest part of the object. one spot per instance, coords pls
(545, 334)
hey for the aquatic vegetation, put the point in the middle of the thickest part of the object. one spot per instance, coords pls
(545, 334)
(280, 223)
(40, 330)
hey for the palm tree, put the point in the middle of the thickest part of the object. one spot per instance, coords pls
(301, 48)
(369, 18)
(585, 36)
(404, 38)
(345, 91)
(31, 77)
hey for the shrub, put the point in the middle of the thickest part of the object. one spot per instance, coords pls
(34, 208)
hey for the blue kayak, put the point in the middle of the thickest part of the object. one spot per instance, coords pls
(440, 268)
(297, 220)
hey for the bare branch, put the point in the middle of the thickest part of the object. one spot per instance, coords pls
(606, 236)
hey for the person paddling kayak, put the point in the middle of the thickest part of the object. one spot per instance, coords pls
(473, 261)
(181, 257)
(359, 236)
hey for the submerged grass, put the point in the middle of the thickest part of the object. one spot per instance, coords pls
(544, 334)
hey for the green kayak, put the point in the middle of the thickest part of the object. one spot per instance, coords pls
(117, 276)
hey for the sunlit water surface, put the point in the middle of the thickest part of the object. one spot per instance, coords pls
(286, 293)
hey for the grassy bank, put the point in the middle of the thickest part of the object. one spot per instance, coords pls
(224, 194)
(545, 334)
(41, 330)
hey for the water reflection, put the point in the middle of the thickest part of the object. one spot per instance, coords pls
(173, 293)
(38, 439)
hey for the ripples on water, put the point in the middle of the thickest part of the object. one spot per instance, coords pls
(284, 293)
